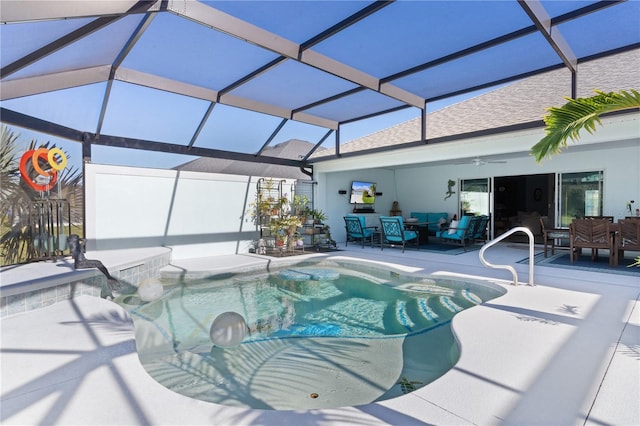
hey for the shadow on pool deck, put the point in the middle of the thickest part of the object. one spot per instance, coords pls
(562, 352)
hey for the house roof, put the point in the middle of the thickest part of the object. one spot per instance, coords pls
(518, 103)
(176, 76)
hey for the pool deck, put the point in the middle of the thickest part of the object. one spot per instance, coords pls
(564, 352)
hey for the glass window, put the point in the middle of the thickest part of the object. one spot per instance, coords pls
(474, 196)
(580, 195)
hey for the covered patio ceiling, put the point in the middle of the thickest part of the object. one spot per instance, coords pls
(177, 76)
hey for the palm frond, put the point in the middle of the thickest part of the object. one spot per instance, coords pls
(9, 172)
(16, 198)
(565, 123)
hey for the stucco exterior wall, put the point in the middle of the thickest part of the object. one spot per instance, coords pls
(417, 177)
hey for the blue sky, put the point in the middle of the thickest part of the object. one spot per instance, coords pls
(55, 106)
(173, 48)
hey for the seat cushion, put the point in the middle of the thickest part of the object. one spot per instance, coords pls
(363, 220)
(410, 235)
(463, 224)
(453, 227)
(455, 236)
(391, 226)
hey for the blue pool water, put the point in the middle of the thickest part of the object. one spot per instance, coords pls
(319, 335)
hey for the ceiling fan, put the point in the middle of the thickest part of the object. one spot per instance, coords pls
(480, 162)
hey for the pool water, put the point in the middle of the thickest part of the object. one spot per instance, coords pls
(319, 335)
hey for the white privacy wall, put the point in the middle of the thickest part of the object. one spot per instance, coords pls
(196, 214)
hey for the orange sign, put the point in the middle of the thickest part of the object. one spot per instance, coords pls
(46, 163)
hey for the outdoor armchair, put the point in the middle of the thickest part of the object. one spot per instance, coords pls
(460, 232)
(394, 233)
(628, 237)
(591, 233)
(480, 230)
(608, 218)
(357, 229)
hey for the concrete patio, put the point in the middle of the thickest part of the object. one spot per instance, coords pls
(564, 352)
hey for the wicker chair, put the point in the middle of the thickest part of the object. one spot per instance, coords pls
(593, 234)
(628, 237)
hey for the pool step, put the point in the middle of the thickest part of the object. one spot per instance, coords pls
(470, 297)
(403, 316)
(444, 307)
(420, 314)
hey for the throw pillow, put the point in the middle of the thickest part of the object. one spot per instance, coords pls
(452, 226)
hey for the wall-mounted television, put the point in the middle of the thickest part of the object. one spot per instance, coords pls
(362, 192)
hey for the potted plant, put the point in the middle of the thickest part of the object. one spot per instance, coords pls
(327, 234)
(283, 205)
(284, 229)
(318, 216)
(260, 210)
(300, 205)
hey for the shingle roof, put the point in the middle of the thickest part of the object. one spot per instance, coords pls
(520, 102)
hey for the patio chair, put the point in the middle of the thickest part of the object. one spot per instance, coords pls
(551, 235)
(393, 233)
(460, 232)
(480, 230)
(607, 218)
(357, 229)
(628, 237)
(593, 234)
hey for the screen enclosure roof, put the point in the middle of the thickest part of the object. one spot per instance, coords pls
(225, 78)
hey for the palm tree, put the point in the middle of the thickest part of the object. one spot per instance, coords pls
(567, 121)
(16, 198)
(9, 173)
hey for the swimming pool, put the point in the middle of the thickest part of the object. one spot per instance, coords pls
(320, 335)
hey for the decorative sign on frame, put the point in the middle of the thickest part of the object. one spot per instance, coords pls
(45, 164)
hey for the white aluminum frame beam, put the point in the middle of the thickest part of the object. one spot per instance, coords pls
(542, 21)
(40, 10)
(242, 30)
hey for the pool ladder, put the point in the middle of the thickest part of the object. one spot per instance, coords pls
(509, 267)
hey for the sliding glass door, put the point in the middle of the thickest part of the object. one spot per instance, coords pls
(475, 196)
(579, 195)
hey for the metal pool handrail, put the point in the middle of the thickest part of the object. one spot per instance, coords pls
(509, 267)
